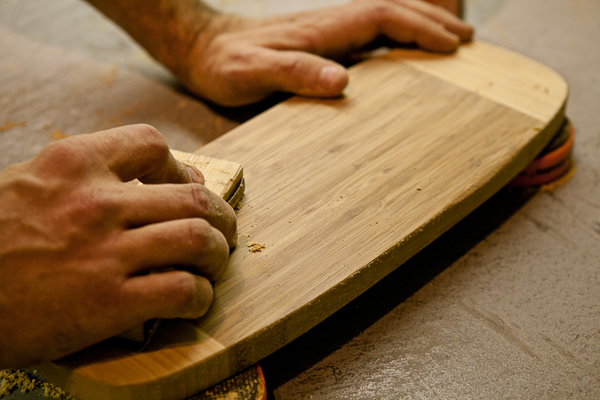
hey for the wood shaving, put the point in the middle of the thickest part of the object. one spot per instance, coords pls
(57, 135)
(13, 379)
(254, 247)
(248, 384)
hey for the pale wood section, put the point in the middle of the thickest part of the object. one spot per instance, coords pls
(192, 345)
(220, 176)
(340, 192)
(497, 74)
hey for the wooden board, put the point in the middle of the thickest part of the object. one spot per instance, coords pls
(340, 192)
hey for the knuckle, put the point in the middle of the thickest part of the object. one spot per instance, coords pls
(294, 67)
(235, 64)
(90, 211)
(184, 293)
(237, 70)
(149, 132)
(233, 231)
(199, 232)
(218, 267)
(67, 155)
(192, 295)
(199, 201)
(211, 245)
(379, 10)
(154, 142)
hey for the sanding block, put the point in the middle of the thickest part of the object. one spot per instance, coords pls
(225, 178)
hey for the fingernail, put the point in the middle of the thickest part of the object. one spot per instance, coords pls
(194, 175)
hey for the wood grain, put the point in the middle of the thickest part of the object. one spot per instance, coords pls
(340, 192)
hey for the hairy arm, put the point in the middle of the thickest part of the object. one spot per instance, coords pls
(167, 29)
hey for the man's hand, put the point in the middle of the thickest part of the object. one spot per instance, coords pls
(76, 243)
(235, 61)
(250, 59)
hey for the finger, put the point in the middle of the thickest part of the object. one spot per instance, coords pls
(191, 244)
(450, 21)
(406, 25)
(148, 204)
(171, 294)
(195, 174)
(139, 151)
(299, 72)
(335, 31)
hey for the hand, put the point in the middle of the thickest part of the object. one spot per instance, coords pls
(235, 61)
(454, 6)
(247, 60)
(76, 242)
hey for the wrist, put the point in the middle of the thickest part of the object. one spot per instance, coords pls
(168, 29)
(186, 39)
(201, 65)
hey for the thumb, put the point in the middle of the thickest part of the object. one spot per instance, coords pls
(304, 74)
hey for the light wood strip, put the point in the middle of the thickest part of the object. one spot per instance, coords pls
(220, 176)
(497, 74)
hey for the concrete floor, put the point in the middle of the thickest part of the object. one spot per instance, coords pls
(504, 306)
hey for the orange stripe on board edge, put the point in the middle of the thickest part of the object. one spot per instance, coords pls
(549, 165)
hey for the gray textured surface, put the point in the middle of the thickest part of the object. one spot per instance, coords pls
(505, 306)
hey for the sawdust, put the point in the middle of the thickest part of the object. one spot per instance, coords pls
(109, 76)
(13, 379)
(254, 247)
(218, 211)
(11, 124)
(116, 120)
(57, 135)
(130, 111)
(248, 384)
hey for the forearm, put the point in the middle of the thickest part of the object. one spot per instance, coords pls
(167, 29)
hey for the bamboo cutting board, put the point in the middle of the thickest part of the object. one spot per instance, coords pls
(340, 192)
